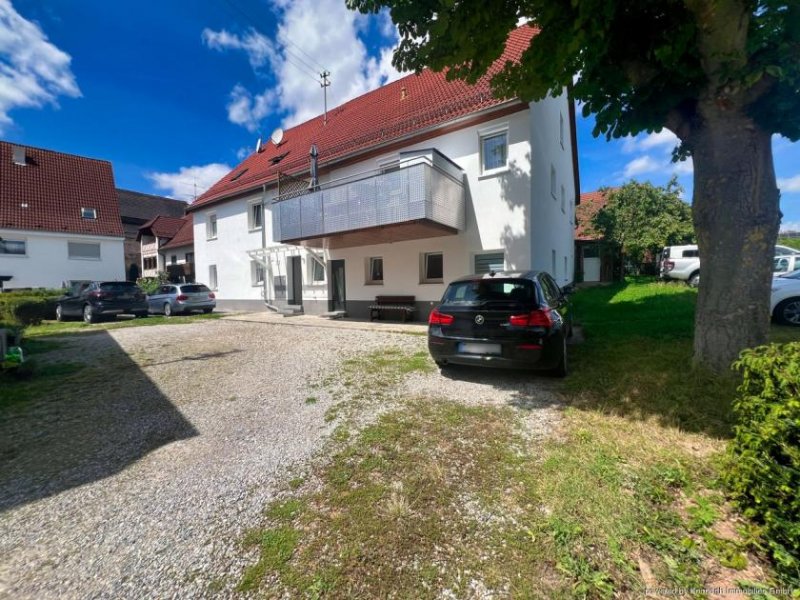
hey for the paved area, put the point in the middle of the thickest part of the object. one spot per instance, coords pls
(322, 322)
(140, 477)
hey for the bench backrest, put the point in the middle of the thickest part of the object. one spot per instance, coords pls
(394, 299)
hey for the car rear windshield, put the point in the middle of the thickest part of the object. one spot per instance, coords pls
(490, 290)
(118, 286)
(194, 289)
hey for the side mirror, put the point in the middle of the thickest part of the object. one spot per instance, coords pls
(568, 289)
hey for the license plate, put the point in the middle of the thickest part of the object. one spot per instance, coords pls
(473, 348)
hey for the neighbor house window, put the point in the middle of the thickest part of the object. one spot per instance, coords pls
(13, 247)
(432, 267)
(256, 272)
(190, 257)
(211, 227)
(563, 200)
(88, 213)
(212, 276)
(375, 270)
(317, 271)
(83, 251)
(488, 263)
(173, 259)
(553, 181)
(494, 151)
(255, 216)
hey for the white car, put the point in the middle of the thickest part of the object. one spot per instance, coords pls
(782, 265)
(785, 300)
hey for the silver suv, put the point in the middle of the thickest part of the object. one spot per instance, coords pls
(682, 263)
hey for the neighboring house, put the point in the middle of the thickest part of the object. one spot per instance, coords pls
(595, 259)
(414, 184)
(136, 209)
(178, 253)
(153, 236)
(59, 218)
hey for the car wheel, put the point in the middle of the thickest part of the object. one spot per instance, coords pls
(788, 312)
(561, 368)
(207, 310)
(59, 313)
(88, 314)
(694, 280)
(167, 309)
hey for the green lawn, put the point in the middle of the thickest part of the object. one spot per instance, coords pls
(47, 328)
(437, 499)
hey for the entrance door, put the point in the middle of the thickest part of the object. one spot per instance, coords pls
(591, 263)
(337, 292)
(296, 276)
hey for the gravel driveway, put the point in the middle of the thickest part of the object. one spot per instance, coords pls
(142, 483)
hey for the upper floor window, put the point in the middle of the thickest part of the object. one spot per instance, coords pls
(255, 216)
(14, 247)
(88, 213)
(83, 251)
(494, 151)
(211, 226)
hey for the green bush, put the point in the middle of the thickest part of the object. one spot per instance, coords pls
(764, 467)
(21, 310)
(151, 284)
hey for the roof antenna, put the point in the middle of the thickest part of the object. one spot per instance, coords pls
(324, 84)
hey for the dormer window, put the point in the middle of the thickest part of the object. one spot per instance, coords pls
(89, 213)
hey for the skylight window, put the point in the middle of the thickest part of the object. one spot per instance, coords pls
(239, 174)
(276, 159)
(89, 213)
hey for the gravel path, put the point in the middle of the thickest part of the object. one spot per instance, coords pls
(141, 482)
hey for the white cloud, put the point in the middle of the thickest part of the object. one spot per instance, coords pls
(789, 184)
(643, 164)
(646, 164)
(339, 49)
(664, 139)
(189, 181)
(33, 72)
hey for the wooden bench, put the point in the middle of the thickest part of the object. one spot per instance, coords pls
(404, 304)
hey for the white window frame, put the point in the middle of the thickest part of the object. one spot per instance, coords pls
(368, 280)
(257, 268)
(211, 217)
(213, 277)
(88, 213)
(485, 253)
(24, 243)
(423, 268)
(488, 132)
(251, 217)
(313, 266)
(96, 259)
(553, 180)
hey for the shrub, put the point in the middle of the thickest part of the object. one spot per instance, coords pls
(21, 310)
(151, 284)
(764, 467)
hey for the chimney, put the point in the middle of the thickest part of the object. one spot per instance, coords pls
(403, 93)
(18, 155)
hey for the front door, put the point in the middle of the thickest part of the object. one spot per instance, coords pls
(591, 263)
(296, 277)
(337, 292)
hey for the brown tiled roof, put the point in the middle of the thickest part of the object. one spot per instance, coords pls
(591, 202)
(48, 192)
(399, 109)
(136, 206)
(184, 235)
(161, 226)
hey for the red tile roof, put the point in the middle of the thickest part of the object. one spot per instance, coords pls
(406, 106)
(48, 192)
(184, 235)
(161, 226)
(591, 202)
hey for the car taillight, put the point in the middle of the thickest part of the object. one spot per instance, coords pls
(211, 296)
(536, 318)
(669, 265)
(437, 318)
(181, 297)
(100, 295)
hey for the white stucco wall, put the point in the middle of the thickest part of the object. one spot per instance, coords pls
(47, 263)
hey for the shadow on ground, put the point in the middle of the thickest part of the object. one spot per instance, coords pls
(87, 413)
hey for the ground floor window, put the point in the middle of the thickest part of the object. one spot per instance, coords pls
(212, 276)
(317, 271)
(489, 262)
(256, 272)
(432, 267)
(375, 270)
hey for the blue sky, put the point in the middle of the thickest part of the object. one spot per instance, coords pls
(176, 93)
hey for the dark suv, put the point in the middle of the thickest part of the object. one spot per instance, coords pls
(515, 320)
(94, 300)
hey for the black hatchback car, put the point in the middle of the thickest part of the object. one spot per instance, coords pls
(94, 300)
(506, 319)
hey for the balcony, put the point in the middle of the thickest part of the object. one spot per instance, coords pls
(422, 197)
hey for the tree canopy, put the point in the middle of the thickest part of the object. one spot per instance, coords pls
(642, 218)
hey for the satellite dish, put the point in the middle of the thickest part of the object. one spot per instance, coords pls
(277, 136)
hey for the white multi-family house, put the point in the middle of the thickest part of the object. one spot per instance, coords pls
(396, 192)
(59, 219)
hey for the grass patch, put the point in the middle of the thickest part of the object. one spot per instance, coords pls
(40, 380)
(48, 328)
(311, 400)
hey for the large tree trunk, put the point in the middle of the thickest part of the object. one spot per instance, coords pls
(736, 217)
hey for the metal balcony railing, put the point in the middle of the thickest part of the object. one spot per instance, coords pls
(423, 187)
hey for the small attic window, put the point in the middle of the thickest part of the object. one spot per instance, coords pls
(239, 174)
(89, 213)
(276, 159)
(18, 156)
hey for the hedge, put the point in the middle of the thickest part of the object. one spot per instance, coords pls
(763, 472)
(20, 310)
